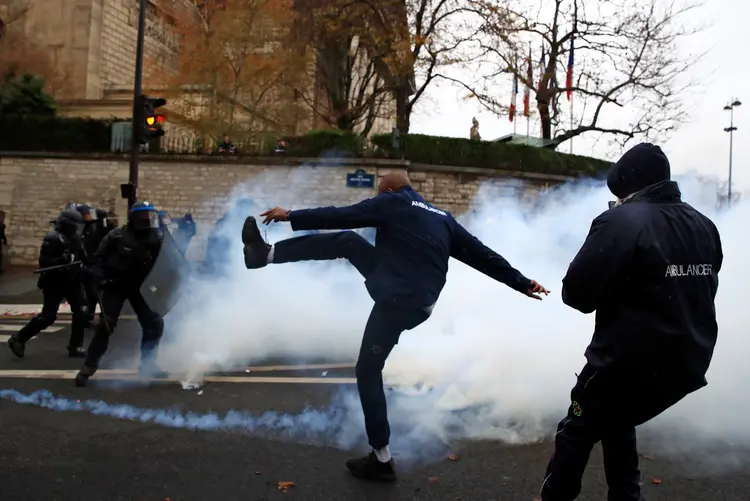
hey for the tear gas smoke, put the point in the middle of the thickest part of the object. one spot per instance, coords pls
(510, 359)
(493, 364)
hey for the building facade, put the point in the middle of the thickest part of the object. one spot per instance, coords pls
(93, 44)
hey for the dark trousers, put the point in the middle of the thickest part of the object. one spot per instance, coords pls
(383, 329)
(91, 303)
(53, 296)
(112, 301)
(607, 408)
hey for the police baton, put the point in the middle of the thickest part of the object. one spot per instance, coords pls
(58, 267)
(103, 316)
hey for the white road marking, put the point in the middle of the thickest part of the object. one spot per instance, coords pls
(122, 375)
(31, 309)
(18, 327)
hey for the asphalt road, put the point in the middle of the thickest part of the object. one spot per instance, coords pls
(108, 452)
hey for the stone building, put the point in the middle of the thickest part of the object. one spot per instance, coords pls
(93, 44)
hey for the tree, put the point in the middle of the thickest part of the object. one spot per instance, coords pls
(349, 84)
(24, 95)
(442, 33)
(626, 58)
(234, 53)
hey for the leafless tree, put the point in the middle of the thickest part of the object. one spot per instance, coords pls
(349, 71)
(630, 78)
(442, 35)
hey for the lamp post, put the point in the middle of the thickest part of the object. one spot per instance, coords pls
(733, 103)
(135, 145)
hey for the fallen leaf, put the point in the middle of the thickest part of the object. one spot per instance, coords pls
(433, 480)
(452, 457)
(285, 486)
(655, 481)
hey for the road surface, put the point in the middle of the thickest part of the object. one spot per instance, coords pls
(87, 454)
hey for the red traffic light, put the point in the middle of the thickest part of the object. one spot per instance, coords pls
(160, 119)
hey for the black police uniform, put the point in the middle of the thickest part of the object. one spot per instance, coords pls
(60, 246)
(93, 233)
(124, 259)
(649, 268)
(404, 272)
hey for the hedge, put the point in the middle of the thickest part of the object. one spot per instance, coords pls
(54, 134)
(436, 150)
(79, 135)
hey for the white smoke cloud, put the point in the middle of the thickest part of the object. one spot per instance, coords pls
(491, 363)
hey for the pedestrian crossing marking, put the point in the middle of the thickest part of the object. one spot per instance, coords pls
(31, 309)
(18, 327)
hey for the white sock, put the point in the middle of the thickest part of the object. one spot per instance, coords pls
(383, 454)
(269, 259)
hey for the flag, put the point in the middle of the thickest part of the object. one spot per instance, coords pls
(529, 81)
(542, 68)
(512, 109)
(569, 78)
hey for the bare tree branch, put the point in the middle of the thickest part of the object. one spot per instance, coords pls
(630, 76)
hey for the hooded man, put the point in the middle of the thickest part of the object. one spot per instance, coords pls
(649, 268)
(404, 272)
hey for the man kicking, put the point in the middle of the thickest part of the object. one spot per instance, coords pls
(404, 273)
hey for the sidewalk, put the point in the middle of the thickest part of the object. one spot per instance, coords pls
(18, 286)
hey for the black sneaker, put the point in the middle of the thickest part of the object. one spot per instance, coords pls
(82, 378)
(369, 468)
(79, 352)
(16, 346)
(256, 249)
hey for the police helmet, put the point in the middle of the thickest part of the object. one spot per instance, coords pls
(143, 216)
(70, 222)
(88, 212)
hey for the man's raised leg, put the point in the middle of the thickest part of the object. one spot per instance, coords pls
(320, 247)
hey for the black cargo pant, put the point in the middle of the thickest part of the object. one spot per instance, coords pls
(53, 296)
(607, 408)
(383, 329)
(91, 303)
(113, 297)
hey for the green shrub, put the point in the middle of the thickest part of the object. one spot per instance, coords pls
(459, 152)
(323, 143)
(54, 134)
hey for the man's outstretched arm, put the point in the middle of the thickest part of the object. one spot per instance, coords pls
(471, 251)
(367, 213)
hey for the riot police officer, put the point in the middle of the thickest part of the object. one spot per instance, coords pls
(93, 233)
(122, 262)
(61, 246)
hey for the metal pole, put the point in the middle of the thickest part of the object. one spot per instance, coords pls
(137, 90)
(731, 144)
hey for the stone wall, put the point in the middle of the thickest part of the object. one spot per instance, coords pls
(33, 189)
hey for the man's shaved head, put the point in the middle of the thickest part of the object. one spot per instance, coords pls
(393, 181)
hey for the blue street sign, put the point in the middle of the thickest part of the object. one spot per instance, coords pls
(360, 179)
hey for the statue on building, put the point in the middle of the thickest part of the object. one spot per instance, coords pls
(474, 132)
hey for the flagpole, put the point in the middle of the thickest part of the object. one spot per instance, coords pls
(571, 123)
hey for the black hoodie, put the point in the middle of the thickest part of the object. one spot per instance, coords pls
(649, 268)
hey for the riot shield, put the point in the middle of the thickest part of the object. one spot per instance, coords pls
(168, 279)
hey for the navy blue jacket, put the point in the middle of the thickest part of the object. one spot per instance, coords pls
(649, 268)
(413, 243)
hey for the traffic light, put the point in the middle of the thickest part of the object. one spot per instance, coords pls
(148, 123)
